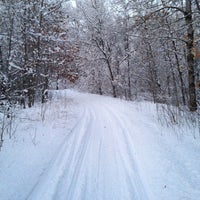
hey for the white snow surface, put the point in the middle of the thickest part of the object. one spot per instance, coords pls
(89, 147)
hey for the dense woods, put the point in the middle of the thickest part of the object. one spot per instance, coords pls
(127, 49)
(143, 48)
(99, 99)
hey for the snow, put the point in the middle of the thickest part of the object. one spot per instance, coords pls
(15, 66)
(83, 146)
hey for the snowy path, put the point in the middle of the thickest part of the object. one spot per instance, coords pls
(90, 147)
(95, 162)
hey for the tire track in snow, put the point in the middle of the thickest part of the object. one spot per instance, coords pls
(57, 168)
(130, 166)
(76, 164)
(122, 168)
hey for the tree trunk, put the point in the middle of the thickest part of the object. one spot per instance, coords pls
(190, 57)
(1, 141)
(129, 78)
(1, 59)
(112, 78)
(179, 72)
(45, 85)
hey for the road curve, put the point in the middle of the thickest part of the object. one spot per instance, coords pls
(95, 161)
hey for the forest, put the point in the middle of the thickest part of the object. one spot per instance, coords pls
(99, 99)
(130, 49)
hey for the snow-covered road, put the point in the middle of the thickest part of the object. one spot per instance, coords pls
(90, 147)
(96, 161)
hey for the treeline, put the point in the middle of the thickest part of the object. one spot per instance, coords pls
(34, 49)
(142, 48)
(128, 49)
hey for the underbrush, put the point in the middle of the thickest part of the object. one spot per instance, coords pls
(8, 124)
(180, 119)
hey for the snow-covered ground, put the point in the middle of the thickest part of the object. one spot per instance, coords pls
(87, 147)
